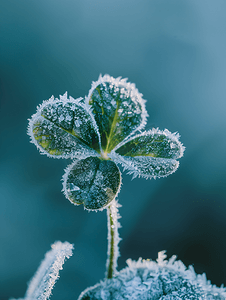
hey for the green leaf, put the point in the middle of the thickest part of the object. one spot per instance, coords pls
(118, 108)
(92, 182)
(64, 128)
(149, 154)
(153, 143)
(146, 166)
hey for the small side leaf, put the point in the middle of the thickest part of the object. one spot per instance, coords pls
(64, 128)
(118, 108)
(92, 182)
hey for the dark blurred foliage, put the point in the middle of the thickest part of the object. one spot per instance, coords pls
(175, 53)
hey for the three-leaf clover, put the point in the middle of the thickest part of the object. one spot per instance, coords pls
(99, 132)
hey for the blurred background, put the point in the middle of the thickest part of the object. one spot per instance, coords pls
(174, 51)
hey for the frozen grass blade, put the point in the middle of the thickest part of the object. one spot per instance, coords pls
(41, 285)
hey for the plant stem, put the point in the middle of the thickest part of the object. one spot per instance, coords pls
(113, 239)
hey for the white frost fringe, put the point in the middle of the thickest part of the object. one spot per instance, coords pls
(41, 285)
(140, 277)
(199, 280)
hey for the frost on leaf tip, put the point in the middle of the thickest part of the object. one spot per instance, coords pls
(93, 182)
(41, 285)
(160, 280)
(64, 128)
(118, 108)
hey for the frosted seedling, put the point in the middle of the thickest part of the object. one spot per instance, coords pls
(100, 132)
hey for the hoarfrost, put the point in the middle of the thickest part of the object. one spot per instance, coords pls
(68, 128)
(41, 285)
(146, 166)
(115, 92)
(92, 182)
(73, 187)
(155, 142)
(150, 280)
(113, 210)
(149, 154)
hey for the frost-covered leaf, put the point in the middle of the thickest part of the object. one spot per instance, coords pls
(41, 285)
(118, 109)
(92, 182)
(64, 128)
(149, 154)
(153, 143)
(150, 280)
(146, 166)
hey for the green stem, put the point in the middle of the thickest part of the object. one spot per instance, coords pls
(110, 271)
(113, 239)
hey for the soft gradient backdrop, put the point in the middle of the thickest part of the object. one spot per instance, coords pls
(175, 53)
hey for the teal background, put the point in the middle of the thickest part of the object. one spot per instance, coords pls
(175, 53)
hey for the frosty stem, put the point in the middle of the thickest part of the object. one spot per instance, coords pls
(113, 239)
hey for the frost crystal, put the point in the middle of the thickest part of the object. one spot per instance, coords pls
(41, 285)
(150, 280)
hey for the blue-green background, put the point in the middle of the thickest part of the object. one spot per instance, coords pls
(175, 52)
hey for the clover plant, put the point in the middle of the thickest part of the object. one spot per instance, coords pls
(101, 132)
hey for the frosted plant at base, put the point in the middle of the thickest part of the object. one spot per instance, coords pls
(99, 132)
(150, 280)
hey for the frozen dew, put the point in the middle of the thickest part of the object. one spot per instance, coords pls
(61, 118)
(73, 187)
(78, 123)
(113, 103)
(68, 118)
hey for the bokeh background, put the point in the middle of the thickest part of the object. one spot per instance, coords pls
(175, 53)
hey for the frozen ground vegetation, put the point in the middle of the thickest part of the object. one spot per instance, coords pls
(101, 132)
(150, 280)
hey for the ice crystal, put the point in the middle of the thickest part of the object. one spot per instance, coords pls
(41, 285)
(160, 280)
(105, 129)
